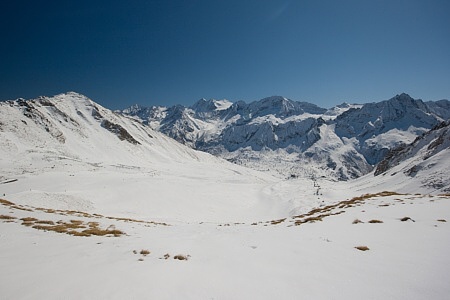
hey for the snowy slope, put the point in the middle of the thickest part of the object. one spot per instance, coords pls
(96, 206)
(425, 160)
(71, 137)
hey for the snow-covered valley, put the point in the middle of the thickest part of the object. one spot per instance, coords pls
(96, 205)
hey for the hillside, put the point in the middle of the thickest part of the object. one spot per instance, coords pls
(91, 149)
(97, 205)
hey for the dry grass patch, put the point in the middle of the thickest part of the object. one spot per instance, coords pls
(362, 248)
(76, 222)
(45, 222)
(275, 222)
(137, 221)
(77, 233)
(375, 221)
(21, 208)
(93, 224)
(5, 217)
(47, 210)
(102, 232)
(404, 219)
(314, 219)
(6, 202)
(78, 213)
(318, 214)
(73, 227)
(29, 219)
(181, 257)
(442, 220)
(144, 252)
(357, 221)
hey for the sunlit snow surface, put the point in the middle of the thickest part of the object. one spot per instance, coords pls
(245, 234)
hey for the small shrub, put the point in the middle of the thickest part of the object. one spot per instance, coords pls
(144, 252)
(442, 220)
(362, 248)
(404, 219)
(166, 256)
(375, 221)
(181, 257)
(357, 221)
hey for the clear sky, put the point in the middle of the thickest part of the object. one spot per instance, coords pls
(176, 52)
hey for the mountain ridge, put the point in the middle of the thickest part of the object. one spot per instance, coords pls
(282, 127)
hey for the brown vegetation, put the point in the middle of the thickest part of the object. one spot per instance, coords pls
(145, 252)
(6, 202)
(275, 222)
(317, 214)
(362, 248)
(73, 227)
(375, 221)
(181, 257)
(45, 222)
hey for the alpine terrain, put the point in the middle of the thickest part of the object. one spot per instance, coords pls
(298, 138)
(275, 199)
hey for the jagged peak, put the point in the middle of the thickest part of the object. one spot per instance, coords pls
(133, 109)
(275, 99)
(403, 96)
(203, 105)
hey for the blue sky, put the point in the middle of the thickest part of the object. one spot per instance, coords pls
(176, 52)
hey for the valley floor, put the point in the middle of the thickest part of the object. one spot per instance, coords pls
(143, 234)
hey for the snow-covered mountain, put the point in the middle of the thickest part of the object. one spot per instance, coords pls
(71, 134)
(424, 160)
(298, 138)
(71, 126)
(89, 193)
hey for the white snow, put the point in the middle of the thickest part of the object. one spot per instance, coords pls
(236, 226)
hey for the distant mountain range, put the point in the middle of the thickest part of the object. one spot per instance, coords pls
(400, 138)
(297, 138)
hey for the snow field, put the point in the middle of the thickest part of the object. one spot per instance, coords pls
(406, 260)
(245, 234)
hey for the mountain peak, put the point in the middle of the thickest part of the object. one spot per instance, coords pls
(204, 105)
(403, 96)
